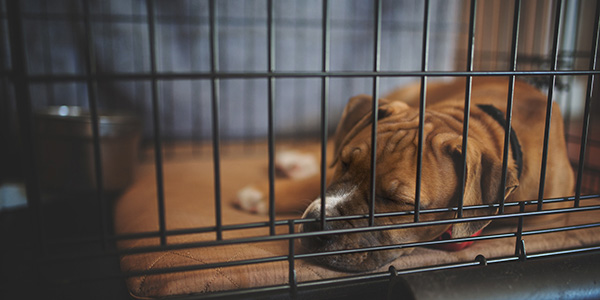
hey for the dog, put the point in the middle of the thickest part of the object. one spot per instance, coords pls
(348, 190)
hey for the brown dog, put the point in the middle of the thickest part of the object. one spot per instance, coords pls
(348, 190)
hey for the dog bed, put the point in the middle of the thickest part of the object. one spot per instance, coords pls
(189, 203)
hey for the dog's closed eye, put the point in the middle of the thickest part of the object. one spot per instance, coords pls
(402, 202)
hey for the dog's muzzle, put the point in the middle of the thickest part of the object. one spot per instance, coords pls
(326, 242)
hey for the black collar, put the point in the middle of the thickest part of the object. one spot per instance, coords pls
(514, 142)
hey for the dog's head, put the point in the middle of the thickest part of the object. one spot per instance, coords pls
(349, 192)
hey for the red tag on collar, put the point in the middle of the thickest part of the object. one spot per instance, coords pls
(453, 246)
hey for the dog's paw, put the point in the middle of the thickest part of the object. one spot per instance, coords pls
(295, 165)
(251, 200)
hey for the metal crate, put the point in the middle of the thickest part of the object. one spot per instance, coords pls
(178, 64)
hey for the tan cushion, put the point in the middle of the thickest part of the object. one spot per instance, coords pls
(189, 202)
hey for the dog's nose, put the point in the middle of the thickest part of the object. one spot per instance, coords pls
(316, 241)
(315, 225)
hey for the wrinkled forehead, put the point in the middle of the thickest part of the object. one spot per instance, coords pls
(400, 136)
(397, 160)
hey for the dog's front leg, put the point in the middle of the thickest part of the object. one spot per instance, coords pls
(291, 195)
(297, 185)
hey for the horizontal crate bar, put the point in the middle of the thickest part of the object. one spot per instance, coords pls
(259, 239)
(245, 226)
(317, 74)
(402, 246)
(345, 279)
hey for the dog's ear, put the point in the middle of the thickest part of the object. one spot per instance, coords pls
(482, 185)
(358, 114)
(357, 107)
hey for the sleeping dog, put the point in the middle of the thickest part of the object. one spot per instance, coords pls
(349, 186)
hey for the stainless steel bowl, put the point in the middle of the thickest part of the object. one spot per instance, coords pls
(65, 149)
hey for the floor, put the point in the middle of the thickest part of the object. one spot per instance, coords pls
(26, 273)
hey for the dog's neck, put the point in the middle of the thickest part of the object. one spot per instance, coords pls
(498, 115)
(517, 155)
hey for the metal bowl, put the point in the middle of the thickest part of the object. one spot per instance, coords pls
(65, 149)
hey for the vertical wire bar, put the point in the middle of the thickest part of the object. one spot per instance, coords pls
(271, 109)
(588, 107)
(376, 67)
(574, 58)
(424, 63)
(292, 261)
(20, 79)
(156, 124)
(324, 105)
(47, 50)
(509, 101)
(216, 134)
(196, 104)
(92, 88)
(519, 235)
(553, 67)
(299, 112)
(138, 91)
(467, 109)
(249, 132)
(224, 105)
